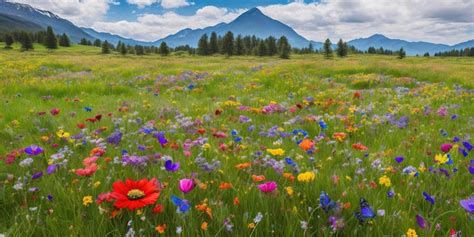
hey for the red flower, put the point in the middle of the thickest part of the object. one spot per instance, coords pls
(135, 194)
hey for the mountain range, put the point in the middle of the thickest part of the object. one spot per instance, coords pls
(17, 16)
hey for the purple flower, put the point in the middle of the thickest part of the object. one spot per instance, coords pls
(399, 159)
(37, 175)
(468, 204)
(161, 138)
(134, 160)
(467, 145)
(115, 138)
(429, 198)
(446, 147)
(33, 150)
(170, 166)
(421, 221)
(51, 169)
(50, 197)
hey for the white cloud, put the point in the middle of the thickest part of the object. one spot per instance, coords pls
(150, 27)
(167, 4)
(441, 21)
(80, 12)
(142, 3)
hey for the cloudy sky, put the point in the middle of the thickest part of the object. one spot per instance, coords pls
(438, 21)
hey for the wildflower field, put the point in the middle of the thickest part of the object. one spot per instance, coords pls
(107, 145)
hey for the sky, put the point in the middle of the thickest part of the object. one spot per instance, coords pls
(437, 21)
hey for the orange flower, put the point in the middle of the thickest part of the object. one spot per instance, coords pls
(289, 176)
(347, 205)
(204, 208)
(340, 136)
(158, 208)
(359, 147)
(306, 144)
(204, 226)
(258, 178)
(97, 151)
(243, 165)
(224, 186)
(160, 228)
(236, 201)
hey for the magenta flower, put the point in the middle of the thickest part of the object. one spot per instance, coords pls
(186, 185)
(468, 204)
(446, 147)
(267, 187)
(33, 150)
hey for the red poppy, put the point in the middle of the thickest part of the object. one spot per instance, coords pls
(135, 194)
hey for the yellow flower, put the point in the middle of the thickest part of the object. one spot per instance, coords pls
(384, 180)
(206, 146)
(251, 225)
(276, 152)
(86, 200)
(306, 177)
(289, 191)
(96, 184)
(62, 134)
(411, 233)
(441, 158)
(160, 228)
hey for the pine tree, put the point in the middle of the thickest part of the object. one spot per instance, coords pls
(203, 48)
(97, 43)
(83, 41)
(271, 47)
(401, 53)
(8, 41)
(26, 42)
(122, 48)
(139, 50)
(327, 48)
(310, 48)
(284, 48)
(213, 47)
(105, 47)
(228, 44)
(262, 49)
(239, 46)
(50, 41)
(164, 50)
(341, 48)
(64, 41)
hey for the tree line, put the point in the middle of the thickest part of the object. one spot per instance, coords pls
(467, 52)
(243, 45)
(26, 39)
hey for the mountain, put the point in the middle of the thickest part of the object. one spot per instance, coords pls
(114, 39)
(252, 22)
(412, 48)
(463, 45)
(25, 15)
(9, 22)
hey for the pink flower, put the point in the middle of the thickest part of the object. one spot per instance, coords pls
(89, 161)
(446, 147)
(55, 111)
(88, 171)
(267, 187)
(186, 185)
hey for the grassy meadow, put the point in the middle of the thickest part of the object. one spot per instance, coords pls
(397, 133)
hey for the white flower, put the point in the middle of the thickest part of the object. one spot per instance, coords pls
(179, 229)
(258, 218)
(26, 162)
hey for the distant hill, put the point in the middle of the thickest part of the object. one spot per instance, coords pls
(252, 22)
(114, 39)
(25, 15)
(412, 48)
(9, 23)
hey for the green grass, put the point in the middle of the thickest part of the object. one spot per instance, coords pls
(154, 90)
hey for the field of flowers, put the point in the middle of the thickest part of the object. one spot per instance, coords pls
(94, 145)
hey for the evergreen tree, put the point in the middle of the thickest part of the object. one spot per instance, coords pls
(97, 43)
(203, 47)
(284, 48)
(401, 53)
(310, 48)
(426, 54)
(83, 41)
(105, 47)
(341, 48)
(26, 42)
(247, 45)
(213, 47)
(164, 50)
(228, 44)
(122, 48)
(8, 41)
(239, 46)
(271, 46)
(139, 50)
(50, 41)
(262, 49)
(327, 48)
(64, 41)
